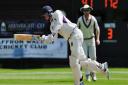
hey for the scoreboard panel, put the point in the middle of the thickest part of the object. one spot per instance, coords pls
(105, 4)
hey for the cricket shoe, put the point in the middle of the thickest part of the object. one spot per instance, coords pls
(93, 75)
(105, 69)
(81, 83)
(88, 77)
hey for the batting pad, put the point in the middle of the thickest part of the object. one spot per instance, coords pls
(26, 37)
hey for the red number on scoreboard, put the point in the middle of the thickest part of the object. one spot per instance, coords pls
(90, 2)
(110, 33)
(113, 3)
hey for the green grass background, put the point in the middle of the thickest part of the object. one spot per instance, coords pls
(57, 76)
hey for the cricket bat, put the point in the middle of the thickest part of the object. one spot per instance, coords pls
(26, 37)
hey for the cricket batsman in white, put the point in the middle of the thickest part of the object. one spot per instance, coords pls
(63, 26)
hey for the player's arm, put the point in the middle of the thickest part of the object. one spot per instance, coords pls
(57, 21)
(78, 23)
(56, 24)
(97, 32)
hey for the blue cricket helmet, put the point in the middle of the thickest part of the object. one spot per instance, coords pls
(47, 9)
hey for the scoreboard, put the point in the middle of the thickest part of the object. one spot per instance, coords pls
(105, 4)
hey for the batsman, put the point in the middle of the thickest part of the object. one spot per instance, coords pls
(60, 24)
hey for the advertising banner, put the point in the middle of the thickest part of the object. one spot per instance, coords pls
(10, 48)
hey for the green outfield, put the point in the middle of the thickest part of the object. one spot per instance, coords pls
(57, 76)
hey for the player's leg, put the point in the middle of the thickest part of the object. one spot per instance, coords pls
(92, 55)
(74, 62)
(86, 51)
(77, 50)
(75, 66)
(93, 65)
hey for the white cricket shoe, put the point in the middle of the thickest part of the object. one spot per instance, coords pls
(105, 69)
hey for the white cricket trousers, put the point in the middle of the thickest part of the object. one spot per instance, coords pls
(78, 57)
(89, 47)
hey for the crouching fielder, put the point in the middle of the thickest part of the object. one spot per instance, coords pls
(61, 25)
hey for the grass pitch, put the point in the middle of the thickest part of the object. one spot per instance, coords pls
(57, 76)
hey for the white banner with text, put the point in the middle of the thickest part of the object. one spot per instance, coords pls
(10, 48)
